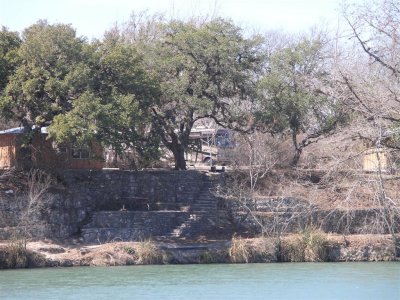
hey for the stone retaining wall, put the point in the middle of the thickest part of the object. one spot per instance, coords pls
(80, 193)
(84, 199)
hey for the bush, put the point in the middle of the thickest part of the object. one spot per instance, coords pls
(240, 252)
(293, 251)
(316, 245)
(310, 245)
(147, 253)
(16, 255)
(129, 250)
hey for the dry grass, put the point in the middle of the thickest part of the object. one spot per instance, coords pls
(252, 250)
(16, 254)
(310, 245)
(147, 253)
(316, 244)
(240, 251)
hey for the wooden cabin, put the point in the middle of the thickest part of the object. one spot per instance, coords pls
(45, 154)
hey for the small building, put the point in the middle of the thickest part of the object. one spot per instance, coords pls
(376, 159)
(45, 153)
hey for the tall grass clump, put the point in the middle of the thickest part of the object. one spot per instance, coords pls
(147, 253)
(16, 255)
(310, 245)
(240, 252)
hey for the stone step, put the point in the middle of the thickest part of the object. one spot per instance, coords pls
(205, 204)
(211, 205)
(196, 225)
(137, 204)
(128, 225)
(205, 200)
(127, 219)
(201, 209)
(104, 235)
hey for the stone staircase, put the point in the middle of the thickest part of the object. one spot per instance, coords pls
(139, 220)
(206, 200)
(203, 217)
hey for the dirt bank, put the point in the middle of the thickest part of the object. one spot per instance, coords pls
(291, 248)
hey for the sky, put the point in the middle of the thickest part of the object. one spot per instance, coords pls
(91, 18)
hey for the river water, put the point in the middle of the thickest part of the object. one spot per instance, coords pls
(246, 281)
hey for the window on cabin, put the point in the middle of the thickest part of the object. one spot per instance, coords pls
(80, 153)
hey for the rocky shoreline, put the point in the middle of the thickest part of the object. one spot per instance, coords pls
(257, 250)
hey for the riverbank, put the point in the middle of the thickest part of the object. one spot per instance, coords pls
(294, 248)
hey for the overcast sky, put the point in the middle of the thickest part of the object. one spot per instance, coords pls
(92, 17)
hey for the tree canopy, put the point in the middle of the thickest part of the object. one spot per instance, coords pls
(205, 70)
(293, 94)
(9, 44)
(40, 87)
(148, 84)
(113, 107)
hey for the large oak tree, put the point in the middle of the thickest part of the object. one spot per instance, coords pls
(40, 86)
(205, 70)
(113, 107)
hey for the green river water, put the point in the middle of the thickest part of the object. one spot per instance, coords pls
(246, 281)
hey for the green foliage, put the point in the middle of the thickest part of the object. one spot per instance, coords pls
(205, 70)
(99, 91)
(292, 93)
(200, 65)
(40, 88)
(9, 44)
(114, 109)
(134, 91)
(129, 250)
(287, 99)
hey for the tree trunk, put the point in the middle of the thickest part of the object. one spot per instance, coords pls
(25, 158)
(178, 145)
(296, 157)
(179, 156)
(25, 161)
(298, 150)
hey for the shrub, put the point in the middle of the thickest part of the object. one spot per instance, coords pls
(240, 252)
(293, 251)
(147, 253)
(316, 245)
(16, 255)
(310, 245)
(129, 250)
